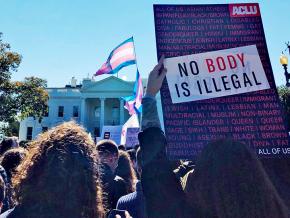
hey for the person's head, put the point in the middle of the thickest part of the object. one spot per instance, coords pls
(24, 144)
(229, 181)
(2, 192)
(126, 171)
(109, 153)
(12, 158)
(122, 148)
(59, 176)
(8, 143)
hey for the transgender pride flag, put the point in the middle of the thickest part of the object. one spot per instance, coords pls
(134, 102)
(123, 55)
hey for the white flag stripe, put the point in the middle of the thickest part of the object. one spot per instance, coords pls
(123, 53)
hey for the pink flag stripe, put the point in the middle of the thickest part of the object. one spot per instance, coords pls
(117, 62)
(139, 94)
(130, 107)
(104, 69)
(122, 56)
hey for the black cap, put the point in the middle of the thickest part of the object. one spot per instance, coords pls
(107, 146)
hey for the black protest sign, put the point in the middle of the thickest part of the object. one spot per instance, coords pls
(107, 135)
(254, 117)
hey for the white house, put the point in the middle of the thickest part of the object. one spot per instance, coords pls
(92, 104)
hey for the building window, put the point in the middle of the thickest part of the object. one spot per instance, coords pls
(115, 115)
(75, 111)
(60, 111)
(97, 112)
(44, 128)
(46, 113)
(29, 133)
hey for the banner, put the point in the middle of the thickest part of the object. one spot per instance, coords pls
(215, 74)
(255, 117)
(112, 133)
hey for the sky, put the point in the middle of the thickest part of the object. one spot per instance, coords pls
(59, 39)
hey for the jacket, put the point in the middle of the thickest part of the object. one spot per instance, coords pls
(163, 193)
(114, 186)
(134, 203)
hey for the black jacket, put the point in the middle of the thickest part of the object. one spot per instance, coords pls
(114, 187)
(163, 193)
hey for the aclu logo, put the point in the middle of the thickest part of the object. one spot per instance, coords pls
(244, 10)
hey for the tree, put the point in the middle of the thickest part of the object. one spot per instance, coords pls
(12, 129)
(19, 99)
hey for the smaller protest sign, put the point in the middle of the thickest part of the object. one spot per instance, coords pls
(132, 137)
(112, 132)
(215, 74)
(131, 123)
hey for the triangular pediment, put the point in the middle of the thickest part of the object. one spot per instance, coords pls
(109, 84)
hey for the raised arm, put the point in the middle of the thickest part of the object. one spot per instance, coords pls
(149, 113)
(163, 193)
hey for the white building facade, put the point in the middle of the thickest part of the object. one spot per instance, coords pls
(92, 104)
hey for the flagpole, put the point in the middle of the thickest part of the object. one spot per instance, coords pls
(135, 54)
(139, 74)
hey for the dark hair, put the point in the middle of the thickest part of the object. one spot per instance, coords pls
(2, 189)
(11, 159)
(107, 146)
(126, 171)
(229, 181)
(122, 147)
(24, 143)
(59, 177)
(138, 157)
(132, 154)
(136, 147)
(7, 144)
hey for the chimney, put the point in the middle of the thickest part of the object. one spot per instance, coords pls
(73, 82)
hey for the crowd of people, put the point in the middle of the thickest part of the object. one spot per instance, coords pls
(64, 174)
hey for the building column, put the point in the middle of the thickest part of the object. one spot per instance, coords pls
(37, 129)
(83, 111)
(102, 118)
(121, 111)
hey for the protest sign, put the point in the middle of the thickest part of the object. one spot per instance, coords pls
(132, 122)
(132, 137)
(215, 74)
(112, 132)
(255, 117)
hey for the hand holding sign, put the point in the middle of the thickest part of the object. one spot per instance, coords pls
(156, 78)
